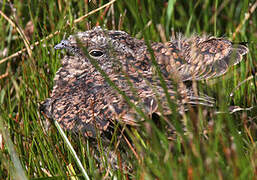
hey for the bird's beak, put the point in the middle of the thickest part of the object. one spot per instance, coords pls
(62, 45)
(58, 46)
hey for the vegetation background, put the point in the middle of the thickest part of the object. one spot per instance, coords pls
(218, 146)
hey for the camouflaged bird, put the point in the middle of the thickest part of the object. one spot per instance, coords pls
(83, 100)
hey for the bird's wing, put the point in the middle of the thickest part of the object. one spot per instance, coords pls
(199, 58)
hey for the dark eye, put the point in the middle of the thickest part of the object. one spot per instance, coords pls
(96, 53)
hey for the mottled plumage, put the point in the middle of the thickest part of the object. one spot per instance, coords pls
(83, 101)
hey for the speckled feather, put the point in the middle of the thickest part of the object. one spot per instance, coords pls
(83, 101)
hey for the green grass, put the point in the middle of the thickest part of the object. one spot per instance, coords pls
(217, 146)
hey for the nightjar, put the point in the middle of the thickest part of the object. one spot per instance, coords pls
(125, 84)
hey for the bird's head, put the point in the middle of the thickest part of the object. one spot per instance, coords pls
(108, 48)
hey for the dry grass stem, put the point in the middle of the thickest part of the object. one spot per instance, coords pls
(28, 48)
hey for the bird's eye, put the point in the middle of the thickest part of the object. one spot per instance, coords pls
(96, 53)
